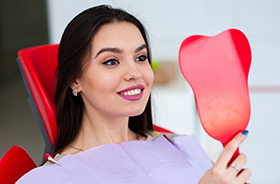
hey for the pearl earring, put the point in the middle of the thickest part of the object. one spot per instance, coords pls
(75, 92)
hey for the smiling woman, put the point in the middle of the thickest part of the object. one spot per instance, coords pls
(115, 84)
(108, 56)
(104, 81)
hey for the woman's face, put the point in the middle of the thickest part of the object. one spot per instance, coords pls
(118, 78)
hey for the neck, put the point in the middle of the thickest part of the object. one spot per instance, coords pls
(109, 130)
(100, 130)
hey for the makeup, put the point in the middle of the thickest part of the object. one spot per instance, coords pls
(132, 93)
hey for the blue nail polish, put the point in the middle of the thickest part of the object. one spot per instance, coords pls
(245, 132)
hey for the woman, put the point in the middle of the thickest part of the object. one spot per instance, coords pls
(104, 80)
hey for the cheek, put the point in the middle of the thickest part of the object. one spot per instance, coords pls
(105, 83)
(110, 81)
(149, 75)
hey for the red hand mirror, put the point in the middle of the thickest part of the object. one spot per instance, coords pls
(217, 69)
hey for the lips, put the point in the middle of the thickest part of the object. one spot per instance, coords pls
(132, 93)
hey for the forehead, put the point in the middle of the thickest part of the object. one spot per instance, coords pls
(123, 35)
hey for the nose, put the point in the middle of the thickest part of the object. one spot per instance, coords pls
(132, 72)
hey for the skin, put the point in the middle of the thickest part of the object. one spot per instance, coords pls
(105, 118)
(117, 61)
(220, 173)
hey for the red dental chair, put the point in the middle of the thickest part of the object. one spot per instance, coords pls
(37, 66)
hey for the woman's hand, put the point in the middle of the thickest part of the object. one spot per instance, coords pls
(221, 173)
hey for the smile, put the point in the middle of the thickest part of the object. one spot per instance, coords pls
(132, 93)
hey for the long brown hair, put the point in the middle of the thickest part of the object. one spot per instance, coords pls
(75, 46)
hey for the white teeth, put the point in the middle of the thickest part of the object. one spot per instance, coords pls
(131, 92)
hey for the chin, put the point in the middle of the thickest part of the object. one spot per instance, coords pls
(137, 112)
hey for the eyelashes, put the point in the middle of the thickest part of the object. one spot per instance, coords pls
(141, 58)
(113, 62)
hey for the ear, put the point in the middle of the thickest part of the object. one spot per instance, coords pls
(74, 85)
(75, 88)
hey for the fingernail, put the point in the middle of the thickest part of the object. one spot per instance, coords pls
(245, 132)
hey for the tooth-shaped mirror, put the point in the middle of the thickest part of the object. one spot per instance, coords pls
(217, 67)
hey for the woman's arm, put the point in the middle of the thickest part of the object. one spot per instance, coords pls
(220, 173)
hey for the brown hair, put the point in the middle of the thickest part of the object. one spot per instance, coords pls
(74, 47)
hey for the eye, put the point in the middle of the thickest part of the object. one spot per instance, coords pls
(111, 62)
(141, 58)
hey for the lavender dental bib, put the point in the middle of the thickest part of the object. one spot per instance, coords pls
(133, 162)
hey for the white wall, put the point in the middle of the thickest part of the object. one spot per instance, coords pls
(168, 24)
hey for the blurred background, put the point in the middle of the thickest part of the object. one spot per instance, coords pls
(26, 23)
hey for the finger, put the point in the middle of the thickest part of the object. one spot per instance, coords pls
(244, 175)
(230, 148)
(239, 163)
(233, 169)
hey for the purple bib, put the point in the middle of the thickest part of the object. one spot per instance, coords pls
(132, 162)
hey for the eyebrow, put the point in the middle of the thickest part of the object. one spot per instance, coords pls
(144, 46)
(117, 50)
